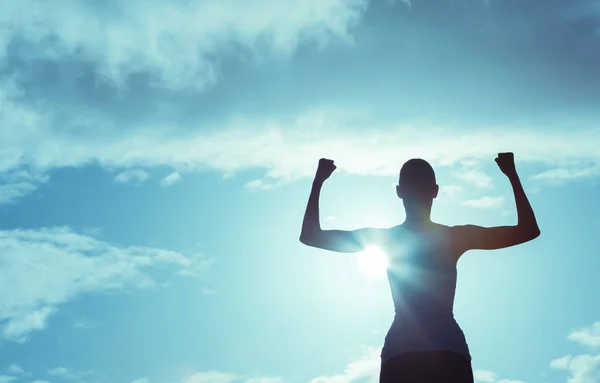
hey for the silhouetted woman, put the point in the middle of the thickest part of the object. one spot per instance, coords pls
(424, 344)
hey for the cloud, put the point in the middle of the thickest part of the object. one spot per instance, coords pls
(450, 190)
(170, 179)
(140, 89)
(262, 184)
(226, 377)
(133, 175)
(589, 336)
(485, 202)
(287, 149)
(45, 268)
(69, 374)
(584, 368)
(142, 380)
(175, 42)
(18, 183)
(367, 367)
(484, 376)
(210, 377)
(562, 175)
(264, 380)
(15, 369)
(561, 363)
(84, 324)
(7, 379)
(475, 177)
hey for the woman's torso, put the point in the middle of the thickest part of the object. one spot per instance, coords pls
(422, 277)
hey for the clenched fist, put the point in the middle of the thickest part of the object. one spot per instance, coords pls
(506, 163)
(326, 167)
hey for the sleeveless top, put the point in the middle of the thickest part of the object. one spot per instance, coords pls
(422, 277)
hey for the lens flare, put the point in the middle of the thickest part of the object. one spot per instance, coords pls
(373, 262)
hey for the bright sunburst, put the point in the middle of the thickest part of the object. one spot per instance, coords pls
(373, 262)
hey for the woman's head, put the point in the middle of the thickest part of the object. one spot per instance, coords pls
(417, 184)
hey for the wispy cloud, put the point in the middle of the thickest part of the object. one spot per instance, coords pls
(45, 268)
(133, 175)
(178, 47)
(484, 376)
(450, 190)
(584, 368)
(211, 377)
(485, 202)
(170, 179)
(562, 175)
(69, 373)
(561, 363)
(15, 369)
(365, 368)
(287, 150)
(589, 336)
(475, 177)
(15, 184)
(175, 42)
(226, 377)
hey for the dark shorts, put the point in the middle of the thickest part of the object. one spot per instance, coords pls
(427, 367)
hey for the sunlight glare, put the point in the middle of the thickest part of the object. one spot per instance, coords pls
(373, 262)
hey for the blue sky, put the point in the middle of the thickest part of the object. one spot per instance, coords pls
(156, 158)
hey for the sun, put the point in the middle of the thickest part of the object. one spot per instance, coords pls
(373, 262)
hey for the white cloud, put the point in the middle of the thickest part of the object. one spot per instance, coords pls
(561, 363)
(17, 183)
(209, 291)
(142, 380)
(589, 336)
(484, 376)
(264, 380)
(84, 324)
(288, 148)
(7, 379)
(562, 175)
(170, 179)
(69, 374)
(475, 177)
(366, 367)
(585, 369)
(450, 190)
(43, 269)
(39, 381)
(15, 369)
(210, 377)
(172, 40)
(133, 175)
(485, 202)
(226, 377)
(264, 184)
